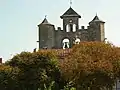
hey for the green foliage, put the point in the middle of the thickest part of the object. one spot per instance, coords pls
(8, 79)
(36, 69)
(50, 86)
(69, 86)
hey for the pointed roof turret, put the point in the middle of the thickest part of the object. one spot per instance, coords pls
(96, 19)
(45, 22)
(70, 13)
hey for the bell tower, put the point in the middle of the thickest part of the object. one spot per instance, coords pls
(70, 20)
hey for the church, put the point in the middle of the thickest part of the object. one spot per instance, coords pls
(50, 38)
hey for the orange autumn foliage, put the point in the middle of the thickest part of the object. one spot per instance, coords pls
(89, 57)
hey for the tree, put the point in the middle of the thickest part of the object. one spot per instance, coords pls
(8, 79)
(36, 69)
(92, 65)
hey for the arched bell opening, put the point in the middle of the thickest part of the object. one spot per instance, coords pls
(77, 41)
(74, 27)
(66, 43)
(67, 28)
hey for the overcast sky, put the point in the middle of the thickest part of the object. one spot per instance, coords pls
(19, 20)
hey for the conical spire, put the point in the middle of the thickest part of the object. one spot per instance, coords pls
(45, 21)
(96, 19)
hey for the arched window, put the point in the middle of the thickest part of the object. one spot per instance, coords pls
(67, 28)
(74, 27)
(77, 41)
(65, 43)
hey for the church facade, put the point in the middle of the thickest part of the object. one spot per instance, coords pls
(51, 38)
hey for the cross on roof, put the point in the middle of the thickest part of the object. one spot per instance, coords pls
(45, 16)
(70, 3)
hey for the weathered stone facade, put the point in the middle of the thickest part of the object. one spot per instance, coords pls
(51, 38)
